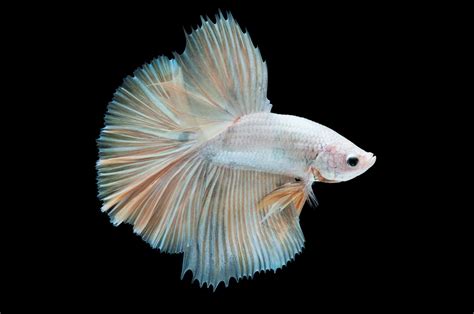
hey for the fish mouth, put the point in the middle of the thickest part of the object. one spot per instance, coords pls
(371, 160)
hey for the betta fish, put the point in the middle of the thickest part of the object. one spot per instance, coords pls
(193, 158)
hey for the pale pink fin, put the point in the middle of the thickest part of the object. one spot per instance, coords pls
(147, 151)
(231, 241)
(151, 175)
(221, 63)
(280, 198)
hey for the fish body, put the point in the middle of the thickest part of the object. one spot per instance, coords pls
(273, 143)
(193, 158)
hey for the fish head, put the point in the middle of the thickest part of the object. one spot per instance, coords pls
(341, 161)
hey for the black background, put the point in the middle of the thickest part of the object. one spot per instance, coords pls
(354, 69)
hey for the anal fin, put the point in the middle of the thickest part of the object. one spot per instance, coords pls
(230, 239)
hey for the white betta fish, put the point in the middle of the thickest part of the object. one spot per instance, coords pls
(192, 157)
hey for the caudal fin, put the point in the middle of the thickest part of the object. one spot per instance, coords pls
(151, 173)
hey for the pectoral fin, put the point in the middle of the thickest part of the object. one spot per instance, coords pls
(295, 193)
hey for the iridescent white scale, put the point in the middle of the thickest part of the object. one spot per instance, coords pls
(269, 142)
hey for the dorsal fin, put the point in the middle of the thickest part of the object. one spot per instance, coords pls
(221, 63)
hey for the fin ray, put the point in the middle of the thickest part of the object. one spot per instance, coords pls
(231, 240)
(221, 63)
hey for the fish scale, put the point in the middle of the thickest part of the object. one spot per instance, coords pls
(269, 142)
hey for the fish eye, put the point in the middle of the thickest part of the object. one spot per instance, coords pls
(352, 161)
